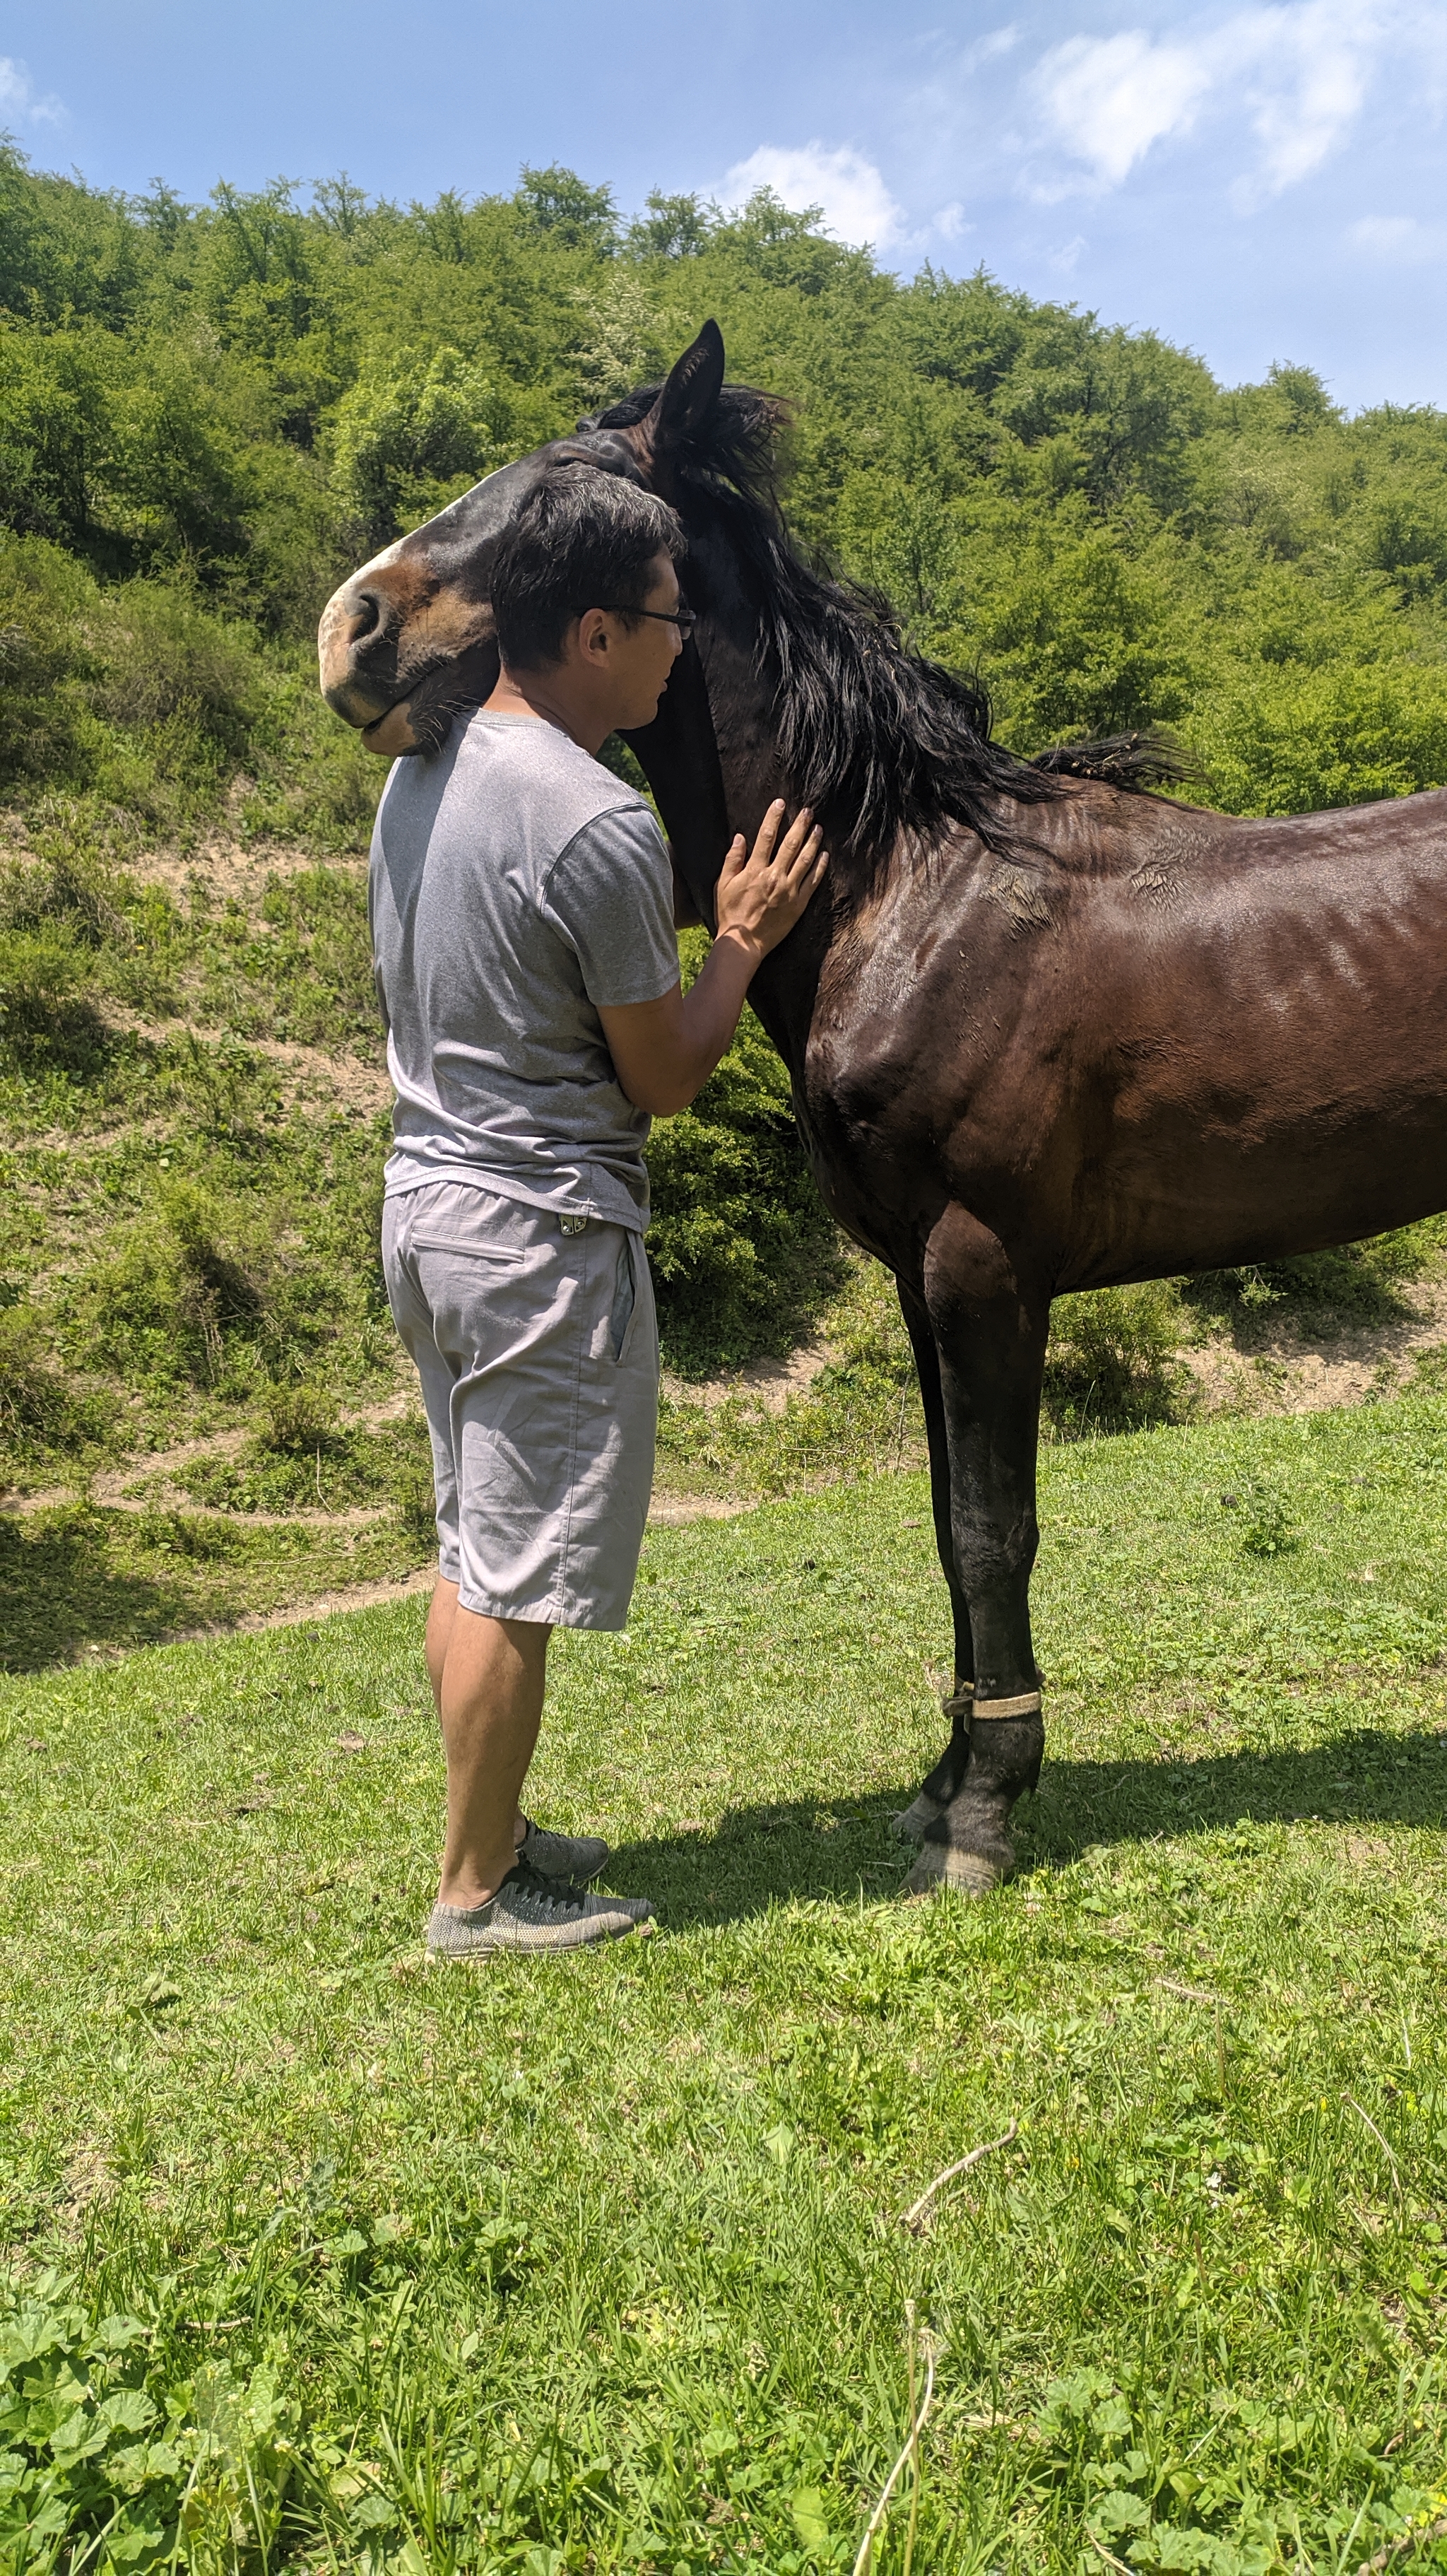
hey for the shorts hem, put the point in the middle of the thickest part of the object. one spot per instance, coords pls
(540, 1614)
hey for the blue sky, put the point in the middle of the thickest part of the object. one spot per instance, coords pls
(1257, 182)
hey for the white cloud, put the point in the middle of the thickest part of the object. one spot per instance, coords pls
(1107, 99)
(1300, 71)
(1399, 238)
(988, 49)
(949, 222)
(1312, 64)
(857, 205)
(18, 96)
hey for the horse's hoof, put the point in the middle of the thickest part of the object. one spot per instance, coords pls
(915, 1820)
(966, 1873)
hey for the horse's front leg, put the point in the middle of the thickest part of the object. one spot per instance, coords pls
(990, 1329)
(944, 1780)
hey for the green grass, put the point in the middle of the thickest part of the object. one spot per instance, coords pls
(79, 1578)
(599, 2265)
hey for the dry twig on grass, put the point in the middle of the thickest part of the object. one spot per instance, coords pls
(910, 2450)
(1381, 2141)
(1108, 2555)
(915, 2217)
(1409, 2540)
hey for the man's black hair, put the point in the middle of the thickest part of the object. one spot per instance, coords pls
(582, 539)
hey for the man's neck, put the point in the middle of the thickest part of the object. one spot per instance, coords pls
(538, 694)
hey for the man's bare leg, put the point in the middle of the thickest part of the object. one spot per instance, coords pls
(439, 1628)
(488, 1677)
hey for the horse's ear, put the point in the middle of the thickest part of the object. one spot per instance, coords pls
(684, 406)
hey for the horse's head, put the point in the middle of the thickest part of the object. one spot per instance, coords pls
(409, 638)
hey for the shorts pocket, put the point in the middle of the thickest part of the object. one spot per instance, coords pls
(506, 1256)
(625, 1297)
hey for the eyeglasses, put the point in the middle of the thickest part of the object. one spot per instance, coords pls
(685, 619)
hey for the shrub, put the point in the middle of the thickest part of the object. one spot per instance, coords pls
(46, 659)
(1349, 1283)
(415, 1497)
(1267, 1527)
(142, 696)
(408, 443)
(1288, 740)
(48, 1018)
(168, 658)
(299, 1420)
(38, 1411)
(173, 1295)
(1112, 1362)
(742, 1248)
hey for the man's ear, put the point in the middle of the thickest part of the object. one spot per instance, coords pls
(685, 405)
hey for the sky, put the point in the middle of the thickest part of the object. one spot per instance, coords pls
(1258, 183)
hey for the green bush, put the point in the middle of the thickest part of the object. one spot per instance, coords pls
(299, 1420)
(1293, 740)
(1112, 1361)
(47, 659)
(1267, 1526)
(742, 1249)
(174, 1295)
(306, 1459)
(140, 696)
(48, 1016)
(40, 1412)
(408, 442)
(169, 662)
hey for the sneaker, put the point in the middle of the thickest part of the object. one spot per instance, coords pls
(575, 1856)
(533, 1913)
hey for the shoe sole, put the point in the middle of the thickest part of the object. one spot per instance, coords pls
(485, 1949)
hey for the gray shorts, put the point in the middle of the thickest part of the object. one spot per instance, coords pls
(538, 1355)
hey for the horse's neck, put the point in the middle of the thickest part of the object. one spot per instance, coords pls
(712, 771)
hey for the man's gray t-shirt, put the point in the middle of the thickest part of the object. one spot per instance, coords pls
(516, 888)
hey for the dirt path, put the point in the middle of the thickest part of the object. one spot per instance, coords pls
(1277, 1366)
(158, 1466)
(769, 1382)
(665, 1514)
(1281, 1367)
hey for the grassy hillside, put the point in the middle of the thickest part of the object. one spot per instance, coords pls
(352, 2265)
(206, 415)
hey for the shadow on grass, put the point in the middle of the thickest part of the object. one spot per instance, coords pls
(832, 1850)
(61, 1588)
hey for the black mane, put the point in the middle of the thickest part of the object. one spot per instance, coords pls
(878, 739)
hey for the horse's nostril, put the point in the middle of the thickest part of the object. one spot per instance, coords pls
(367, 617)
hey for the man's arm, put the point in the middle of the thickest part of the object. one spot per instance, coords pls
(663, 1052)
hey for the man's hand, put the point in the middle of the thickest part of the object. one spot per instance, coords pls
(760, 897)
(663, 1052)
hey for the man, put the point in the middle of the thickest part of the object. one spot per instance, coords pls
(522, 903)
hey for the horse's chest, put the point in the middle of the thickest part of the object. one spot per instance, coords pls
(895, 1044)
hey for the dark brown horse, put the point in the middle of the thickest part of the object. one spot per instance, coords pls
(1046, 1031)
